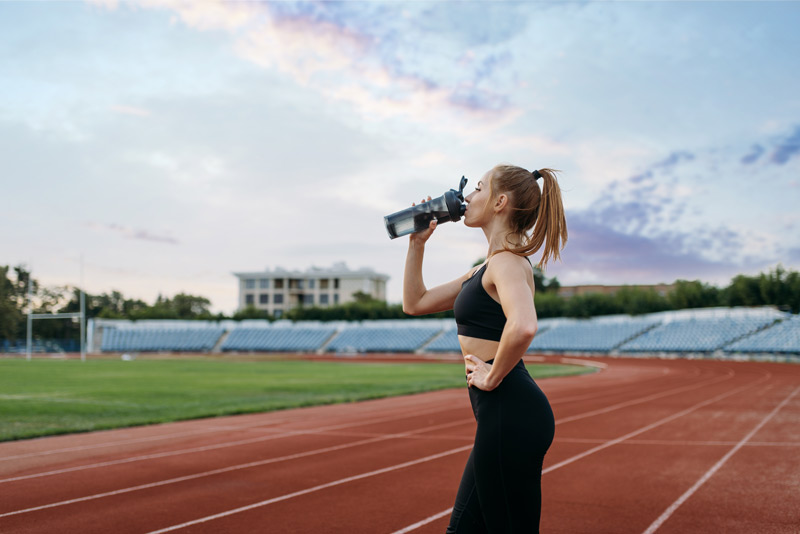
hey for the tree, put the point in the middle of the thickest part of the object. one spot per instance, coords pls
(743, 291)
(549, 305)
(251, 312)
(10, 315)
(693, 294)
(636, 300)
(592, 304)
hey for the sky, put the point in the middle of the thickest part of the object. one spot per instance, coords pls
(164, 145)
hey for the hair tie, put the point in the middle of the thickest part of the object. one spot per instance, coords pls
(536, 175)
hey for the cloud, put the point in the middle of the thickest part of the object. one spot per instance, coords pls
(782, 148)
(793, 254)
(656, 225)
(356, 57)
(664, 165)
(596, 253)
(133, 233)
(786, 148)
(753, 156)
(131, 110)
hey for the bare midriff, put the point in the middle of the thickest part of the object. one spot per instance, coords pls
(485, 349)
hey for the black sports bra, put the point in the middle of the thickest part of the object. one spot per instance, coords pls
(478, 314)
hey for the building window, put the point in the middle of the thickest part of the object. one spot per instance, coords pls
(249, 284)
(311, 283)
(308, 299)
(323, 283)
(278, 299)
(278, 283)
(335, 283)
(277, 314)
(323, 299)
(263, 298)
(263, 283)
(335, 299)
(248, 300)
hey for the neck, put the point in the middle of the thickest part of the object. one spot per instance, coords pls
(496, 232)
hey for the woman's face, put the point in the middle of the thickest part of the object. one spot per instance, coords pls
(478, 205)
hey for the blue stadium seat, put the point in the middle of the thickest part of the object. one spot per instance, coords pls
(696, 334)
(149, 339)
(380, 339)
(588, 335)
(447, 342)
(782, 337)
(280, 339)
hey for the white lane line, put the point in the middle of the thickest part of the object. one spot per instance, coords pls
(282, 434)
(682, 443)
(640, 400)
(199, 475)
(294, 433)
(264, 462)
(237, 467)
(708, 474)
(258, 425)
(241, 466)
(345, 425)
(585, 363)
(651, 426)
(130, 441)
(424, 522)
(313, 489)
(612, 442)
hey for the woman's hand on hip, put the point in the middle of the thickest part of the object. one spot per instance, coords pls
(478, 373)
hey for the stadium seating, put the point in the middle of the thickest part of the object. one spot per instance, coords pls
(446, 342)
(727, 330)
(20, 346)
(382, 339)
(289, 339)
(156, 340)
(587, 335)
(696, 334)
(783, 337)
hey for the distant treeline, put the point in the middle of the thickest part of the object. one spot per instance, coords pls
(778, 287)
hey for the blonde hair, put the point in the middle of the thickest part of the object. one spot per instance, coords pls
(532, 208)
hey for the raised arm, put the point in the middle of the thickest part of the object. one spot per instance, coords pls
(417, 299)
(513, 279)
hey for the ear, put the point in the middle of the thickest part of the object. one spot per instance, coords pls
(501, 202)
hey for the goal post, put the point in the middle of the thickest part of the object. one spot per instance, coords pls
(81, 315)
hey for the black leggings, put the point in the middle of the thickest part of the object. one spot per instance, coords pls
(500, 490)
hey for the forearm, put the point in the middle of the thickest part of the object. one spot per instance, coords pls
(513, 345)
(413, 285)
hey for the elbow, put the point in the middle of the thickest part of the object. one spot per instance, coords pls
(526, 330)
(529, 331)
(408, 309)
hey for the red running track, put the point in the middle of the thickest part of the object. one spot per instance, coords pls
(668, 446)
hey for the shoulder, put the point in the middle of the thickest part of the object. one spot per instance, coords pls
(507, 264)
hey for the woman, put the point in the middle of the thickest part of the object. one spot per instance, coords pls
(500, 489)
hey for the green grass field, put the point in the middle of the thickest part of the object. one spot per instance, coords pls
(46, 397)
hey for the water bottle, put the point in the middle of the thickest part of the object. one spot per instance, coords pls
(448, 207)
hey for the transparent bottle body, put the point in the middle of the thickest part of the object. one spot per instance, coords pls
(416, 218)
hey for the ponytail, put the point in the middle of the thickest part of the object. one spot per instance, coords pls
(542, 211)
(551, 226)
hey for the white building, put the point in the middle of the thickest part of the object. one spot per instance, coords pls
(279, 290)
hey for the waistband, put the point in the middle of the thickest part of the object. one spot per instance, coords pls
(520, 363)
